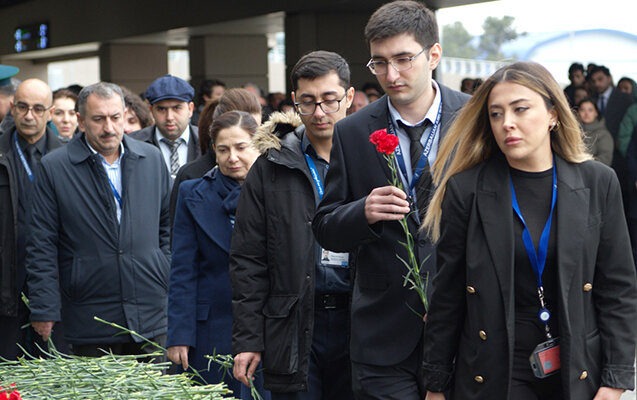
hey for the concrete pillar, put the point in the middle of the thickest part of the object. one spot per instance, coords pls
(29, 69)
(341, 33)
(233, 59)
(133, 65)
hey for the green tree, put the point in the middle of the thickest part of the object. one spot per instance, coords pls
(496, 32)
(456, 41)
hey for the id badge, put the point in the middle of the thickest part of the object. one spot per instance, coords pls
(334, 259)
(545, 359)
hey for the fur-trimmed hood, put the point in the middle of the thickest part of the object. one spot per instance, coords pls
(268, 136)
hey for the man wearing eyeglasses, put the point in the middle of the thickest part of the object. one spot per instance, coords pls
(359, 211)
(22, 145)
(290, 297)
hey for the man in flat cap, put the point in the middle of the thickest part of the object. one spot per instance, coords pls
(171, 104)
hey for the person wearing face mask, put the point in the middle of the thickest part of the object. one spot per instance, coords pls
(597, 139)
(535, 295)
(64, 116)
(200, 296)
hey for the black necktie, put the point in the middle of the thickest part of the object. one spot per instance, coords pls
(415, 147)
(415, 151)
(31, 157)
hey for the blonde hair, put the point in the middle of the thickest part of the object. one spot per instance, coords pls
(470, 140)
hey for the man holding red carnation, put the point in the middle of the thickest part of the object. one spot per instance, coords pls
(359, 212)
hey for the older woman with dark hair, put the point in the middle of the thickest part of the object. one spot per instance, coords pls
(535, 295)
(199, 295)
(233, 99)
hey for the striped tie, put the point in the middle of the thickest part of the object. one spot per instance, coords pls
(174, 155)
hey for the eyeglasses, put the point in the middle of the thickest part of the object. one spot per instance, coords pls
(399, 64)
(328, 106)
(38, 109)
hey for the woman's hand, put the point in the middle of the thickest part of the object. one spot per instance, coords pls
(434, 396)
(606, 393)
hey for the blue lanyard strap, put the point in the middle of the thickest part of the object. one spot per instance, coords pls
(22, 158)
(537, 259)
(422, 162)
(315, 175)
(115, 192)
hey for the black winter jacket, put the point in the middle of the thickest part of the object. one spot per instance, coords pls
(12, 276)
(272, 257)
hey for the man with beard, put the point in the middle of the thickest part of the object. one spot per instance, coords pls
(98, 234)
(171, 104)
(23, 142)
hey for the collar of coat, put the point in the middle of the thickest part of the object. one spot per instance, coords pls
(79, 151)
(279, 139)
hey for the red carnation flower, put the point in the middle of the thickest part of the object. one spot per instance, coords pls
(385, 143)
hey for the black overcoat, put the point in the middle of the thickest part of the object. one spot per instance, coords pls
(472, 310)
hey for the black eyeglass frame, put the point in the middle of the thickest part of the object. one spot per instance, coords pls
(319, 104)
(24, 108)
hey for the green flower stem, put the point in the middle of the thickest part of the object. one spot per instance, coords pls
(413, 279)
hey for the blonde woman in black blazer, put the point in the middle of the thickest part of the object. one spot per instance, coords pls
(518, 136)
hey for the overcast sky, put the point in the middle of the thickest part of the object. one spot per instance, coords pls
(547, 15)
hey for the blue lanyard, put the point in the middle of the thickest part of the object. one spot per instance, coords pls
(538, 259)
(23, 159)
(422, 162)
(317, 178)
(115, 192)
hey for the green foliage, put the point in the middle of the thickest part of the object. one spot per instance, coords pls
(456, 41)
(496, 32)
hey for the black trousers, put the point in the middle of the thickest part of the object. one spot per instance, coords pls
(402, 381)
(549, 388)
(13, 334)
(329, 376)
(126, 348)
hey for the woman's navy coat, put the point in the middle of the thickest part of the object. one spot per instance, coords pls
(199, 295)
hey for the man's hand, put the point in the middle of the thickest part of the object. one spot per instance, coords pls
(606, 393)
(43, 328)
(178, 355)
(434, 396)
(244, 366)
(387, 203)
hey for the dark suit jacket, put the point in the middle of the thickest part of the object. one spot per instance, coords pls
(384, 329)
(474, 287)
(616, 107)
(193, 170)
(148, 135)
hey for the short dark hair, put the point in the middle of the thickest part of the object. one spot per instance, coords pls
(320, 63)
(135, 104)
(600, 68)
(241, 119)
(589, 100)
(206, 88)
(575, 67)
(403, 16)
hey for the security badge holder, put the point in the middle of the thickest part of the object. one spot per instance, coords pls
(545, 359)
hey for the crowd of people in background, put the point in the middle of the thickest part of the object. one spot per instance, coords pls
(226, 220)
